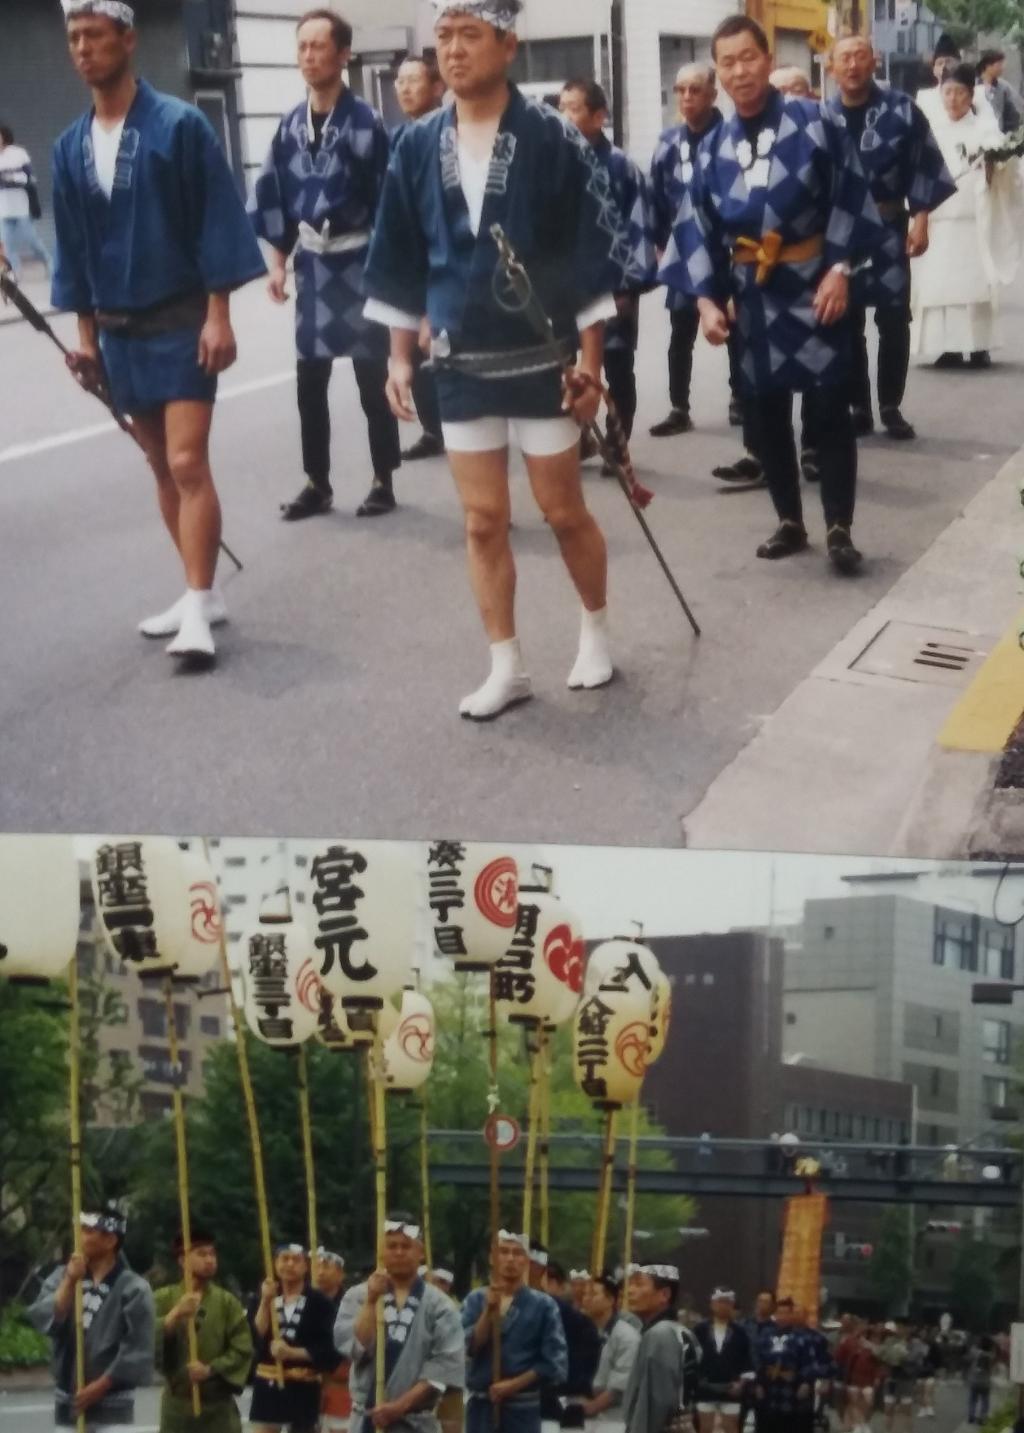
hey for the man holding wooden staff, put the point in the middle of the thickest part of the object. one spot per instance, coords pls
(424, 1354)
(223, 1337)
(117, 1320)
(287, 1385)
(533, 1350)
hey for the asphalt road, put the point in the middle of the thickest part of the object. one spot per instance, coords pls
(334, 704)
(32, 1412)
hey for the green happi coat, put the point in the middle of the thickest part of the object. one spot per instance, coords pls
(225, 1343)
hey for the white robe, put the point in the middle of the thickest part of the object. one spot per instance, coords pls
(974, 243)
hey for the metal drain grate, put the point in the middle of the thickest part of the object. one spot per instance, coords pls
(912, 653)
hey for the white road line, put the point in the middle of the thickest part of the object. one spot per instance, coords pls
(96, 430)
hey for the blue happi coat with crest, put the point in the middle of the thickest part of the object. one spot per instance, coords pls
(671, 172)
(904, 167)
(803, 180)
(335, 189)
(553, 199)
(630, 191)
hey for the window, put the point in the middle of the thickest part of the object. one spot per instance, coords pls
(830, 931)
(934, 1081)
(157, 1067)
(996, 1093)
(997, 953)
(182, 1021)
(152, 1015)
(956, 940)
(879, 9)
(234, 861)
(847, 1127)
(790, 1017)
(209, 1025)
(707, 979)
(823, 1121)
(995, 1041)
(937, 1027)
(155, 1106)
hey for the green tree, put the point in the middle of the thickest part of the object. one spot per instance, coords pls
(890, 1271)
(967, 19)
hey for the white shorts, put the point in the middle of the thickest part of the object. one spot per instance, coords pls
(730, 1410)
(535, 437)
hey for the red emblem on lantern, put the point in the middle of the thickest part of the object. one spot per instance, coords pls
(497, 892)
(416, 1038)
(205, 908)
(307, 987)
(631, 1048)
(564, 957)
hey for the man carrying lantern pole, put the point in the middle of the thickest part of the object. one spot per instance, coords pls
(424, 1352)
(118, 1323)
(533, 1350)
(336, 1406)
(304, 1349)
(224, 1343)
(664, 1377)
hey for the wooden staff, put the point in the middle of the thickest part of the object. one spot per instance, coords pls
(495, 1193)
(255, 1143)
(533, 1122)
(634, 1134)
(178, 1103)
(306, 1125)
(604, 1196)
(544, 1153)
(75, 1113)
(428, 1252)
(378, 1131)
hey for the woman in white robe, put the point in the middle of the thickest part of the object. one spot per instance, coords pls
(974, 237)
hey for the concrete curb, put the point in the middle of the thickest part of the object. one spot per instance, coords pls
(849, 763)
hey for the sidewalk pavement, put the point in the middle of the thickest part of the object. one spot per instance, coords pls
(912, 709)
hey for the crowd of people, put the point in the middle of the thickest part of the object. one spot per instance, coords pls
(538, 1348)
(773, 229)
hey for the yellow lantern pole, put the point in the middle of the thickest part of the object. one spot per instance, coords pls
(306, 1126)
(634, 1134)
(533, 1122)
(378, 1130)
(185, 1212)
(495, 1191)
(545, 1141)
(255, 1143)
(604, 1195)
(428, 1251)
(75, 1120)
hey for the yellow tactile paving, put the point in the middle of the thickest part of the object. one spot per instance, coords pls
(985, 716)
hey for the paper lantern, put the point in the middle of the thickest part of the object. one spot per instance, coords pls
(661, 1017)
(142, 902)
(539, 978)
(40, 906)
(408, 1050)
(472, 893)
(612, 1029)
(362, 902)
(205, 918)
(280, 984)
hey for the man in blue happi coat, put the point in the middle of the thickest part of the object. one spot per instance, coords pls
(585, 104)
(152, 239)
(671, 171)
(777, 215)
(533, 1353)
(419, 90)
(315, 198)
(908, 179)
(787, 1368)
(496, 158)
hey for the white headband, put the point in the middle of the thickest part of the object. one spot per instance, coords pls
(330, 1258)
(113, 9)
(445, 1274)
(668, 1272)
(399, 1226)
(110, 1221)
(578, 1274)
(539, 1257)
(291, 1249)
(505, 1237)
(499, 13)
(722, 1293)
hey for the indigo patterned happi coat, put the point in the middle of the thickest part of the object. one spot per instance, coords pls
(630, 191)
(671, 172)
(903, 162)
(803, 179)
(553, 199)
(335, 189)
(173, 225)
(532, 1337)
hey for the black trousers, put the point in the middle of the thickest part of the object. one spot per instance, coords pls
(620, 373)
(769, 427)
(685, 328)
(313, 376)
(424, 395)
(893, 324)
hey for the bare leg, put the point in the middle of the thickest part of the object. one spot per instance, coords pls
(482, 482)
(187, 432)
(149, 427)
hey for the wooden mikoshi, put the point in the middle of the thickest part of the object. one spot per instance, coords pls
(142, 900)
(473, 897)
(362, 902)
(184, 1207)
(75, 1114)
(40, 907)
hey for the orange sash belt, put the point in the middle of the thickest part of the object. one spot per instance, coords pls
(769, 251)
(293, 1373)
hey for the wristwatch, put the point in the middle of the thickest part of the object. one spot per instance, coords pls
(843, 268)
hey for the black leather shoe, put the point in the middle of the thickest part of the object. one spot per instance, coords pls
(429, 446)
(677, 421)
(863, 423)
(949, 360)
(842, 554)
(744, 470)
(309, 503)
(379, 500)
(981, 359)
(896, 425)
(788, 538)
(735, 413)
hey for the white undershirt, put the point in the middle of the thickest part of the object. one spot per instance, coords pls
(105, 144)
(14, 200)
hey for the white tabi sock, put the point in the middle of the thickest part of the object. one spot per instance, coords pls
(194, 637)
(166, 624)
(507, 686)
(593, 666)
